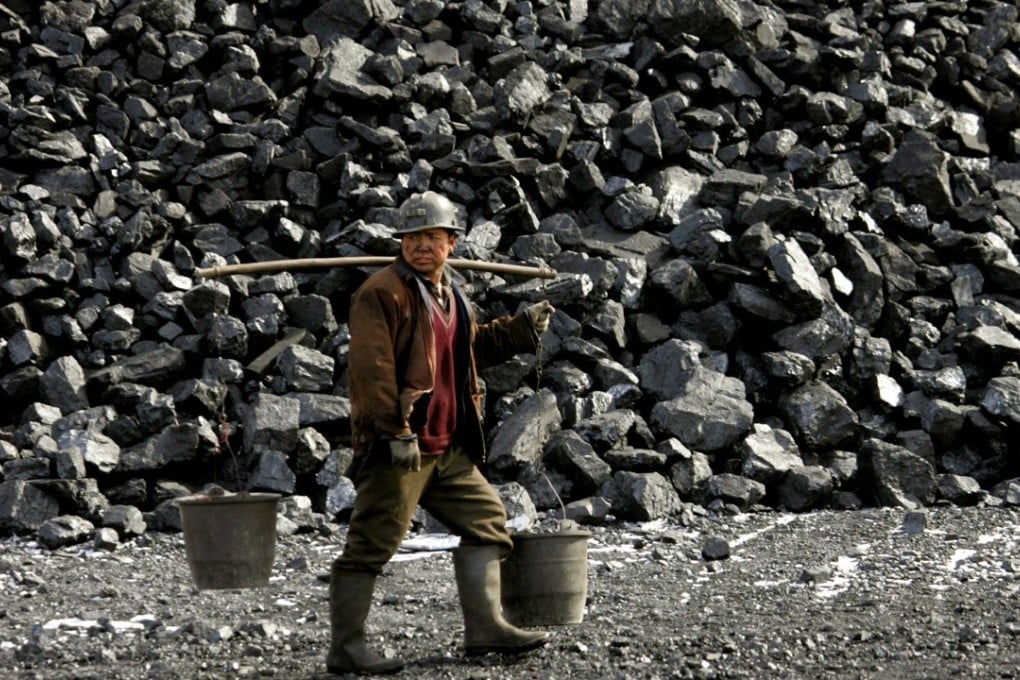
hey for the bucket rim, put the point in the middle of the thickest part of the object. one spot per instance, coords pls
(228, 499)
(569, 533)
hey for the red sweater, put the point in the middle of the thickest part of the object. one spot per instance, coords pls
(437, 434)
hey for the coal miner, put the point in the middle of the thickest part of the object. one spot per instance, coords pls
(415, 352)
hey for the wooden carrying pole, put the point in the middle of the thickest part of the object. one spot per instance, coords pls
(365, 261)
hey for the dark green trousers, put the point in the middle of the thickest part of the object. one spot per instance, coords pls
(449, 486)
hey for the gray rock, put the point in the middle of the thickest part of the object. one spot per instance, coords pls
(305, 370)
(805, 487)
(606, 430)
(271, 423)
(310, 452)
(97, 451)
(24, 506)
(831, 333)
(677, 189)
(569, 453)
(28, 468)
(523, 89)
(340, 72)
(64, 530)
(789, 367)
(520, 438)
(178, 443)
(63, 385)
(759, 302)
(339, 18)
(735, 489)
(716, 22)
(989, 345)
(323, 411)
(700, 234)
(199, 396)
(818, 415)
(509, 375)
(868, 296)
(943, 421)
(899, 478)
(899, 271)
(298, 509)
(227, 336)
(635, 459)
(263, 315)
(313, 313)
(231, 92)
(678, 284)
(666, 368)
(632, 210)
(610, 321)
(767, 454)
(105, 538)
(712, 414)
(1008, 490)
(1002, 398)
(27, 346)
(81, 497)
(870, 356)
(157, 367)
(803, 288)
(272, 473)
(610, 374)
(725, 185)
(915, 522)
(592, 510)
(19, 237)
(715, 548)
(641, 496)
(340, 498)
(126, 520)
(920, 169)
(689, 471)
(959, 489)
(69, 464)
(546, 487)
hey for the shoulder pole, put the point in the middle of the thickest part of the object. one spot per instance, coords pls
(366, 261)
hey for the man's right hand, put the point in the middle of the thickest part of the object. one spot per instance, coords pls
(540, 314)
(404, 454)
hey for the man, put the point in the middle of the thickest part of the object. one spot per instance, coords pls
(415, 354)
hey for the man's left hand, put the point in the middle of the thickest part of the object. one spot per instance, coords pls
(540, 314)
(404, 453)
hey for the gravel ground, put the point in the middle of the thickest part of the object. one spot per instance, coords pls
(819, 595)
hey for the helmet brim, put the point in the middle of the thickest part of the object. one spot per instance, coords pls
(414, 229)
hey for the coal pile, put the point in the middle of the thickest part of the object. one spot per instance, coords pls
(785, 235)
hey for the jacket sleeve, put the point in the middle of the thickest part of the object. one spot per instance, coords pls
(374, 323)
(503, 337)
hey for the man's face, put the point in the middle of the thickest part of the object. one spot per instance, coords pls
(427, 250)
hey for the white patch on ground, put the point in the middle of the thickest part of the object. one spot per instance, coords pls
(843, 571)
(958, 557)
(86, 624)
(781, 520)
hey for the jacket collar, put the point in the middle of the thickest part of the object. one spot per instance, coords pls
(406, 271)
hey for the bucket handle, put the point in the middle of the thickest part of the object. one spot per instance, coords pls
(565, 524)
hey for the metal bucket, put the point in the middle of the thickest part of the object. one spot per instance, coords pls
(229, 540)
(545, 579)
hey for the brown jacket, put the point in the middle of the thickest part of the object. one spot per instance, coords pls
(392, 359)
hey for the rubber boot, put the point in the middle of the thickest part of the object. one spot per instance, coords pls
(478, 584)
(350, 597)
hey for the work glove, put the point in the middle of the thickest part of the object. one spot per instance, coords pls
(540, 314)
(404, 454)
